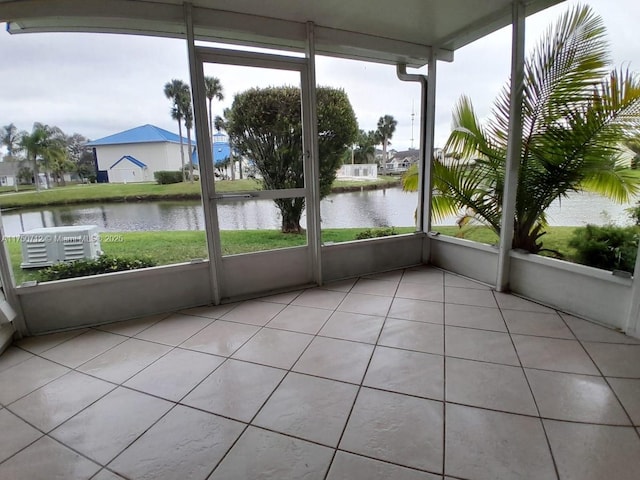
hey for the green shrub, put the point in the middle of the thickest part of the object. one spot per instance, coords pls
(86, 267)
(608, 247)
(375, 233)
(165, 177)
(634, 213)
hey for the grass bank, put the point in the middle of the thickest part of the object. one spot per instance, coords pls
(169, 247)
(137, 192)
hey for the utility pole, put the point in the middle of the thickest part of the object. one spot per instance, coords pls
(413, 115)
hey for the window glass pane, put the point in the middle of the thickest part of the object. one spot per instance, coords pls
(91, 114)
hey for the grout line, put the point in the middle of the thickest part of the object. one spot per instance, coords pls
(535, 402)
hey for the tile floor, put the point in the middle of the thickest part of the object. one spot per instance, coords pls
(415, 374)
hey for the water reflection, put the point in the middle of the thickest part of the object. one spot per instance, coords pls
(375, 208)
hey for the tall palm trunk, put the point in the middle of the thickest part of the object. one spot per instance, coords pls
(184, 178)
(190, 156)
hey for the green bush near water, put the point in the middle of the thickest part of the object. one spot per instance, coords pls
(165, 177)
(608, 247)
(98, 266)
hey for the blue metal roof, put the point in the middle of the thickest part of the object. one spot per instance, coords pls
(142, 134)
(221, 150)
(131, 159)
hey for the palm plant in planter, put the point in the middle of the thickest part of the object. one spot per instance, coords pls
(576, 114)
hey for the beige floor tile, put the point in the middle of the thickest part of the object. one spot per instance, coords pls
(40, 343)
(594, 452)
(174, 329)
(46, 459)
(418, 310)
(451, 280)
(347, 466)
(375, 287)
(83, 348)
(578, 398)
(365, 304)
(403, 371)
(419, 336)
(124, 360)
(396, 428)
(236, 389)
(300, 319)
(483, 318)
(284, 298)
(336, 359)
(320, 298)
(616, 360)
(392, 276)
(340, 285)
(488, 385)
(536, 323)
(353, 326)
(424, 275)
(591, 332)
(271, 456)
(221, 338)
(253, 312)
(480, 345)
(311, 408)
(275, 348)
(433, 292)
(108, 426)
(27, 376)
(469, 296)
(553, 354)
(131, 328)
(513, 302)
(13, 356)
(628, 391)
(186, 443)
(210, 311)
(52, 404)
(484, 445)
(16, 434)
(175, 374)
(105, 474)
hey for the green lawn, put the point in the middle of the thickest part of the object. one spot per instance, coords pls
(182, 246)
(132, 192)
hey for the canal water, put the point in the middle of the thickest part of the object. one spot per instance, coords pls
(373, 208)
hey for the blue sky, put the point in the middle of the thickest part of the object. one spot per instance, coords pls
(98, 85)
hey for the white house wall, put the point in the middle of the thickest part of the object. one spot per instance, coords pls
(156, 156)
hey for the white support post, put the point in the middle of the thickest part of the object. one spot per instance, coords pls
(205, 155)
(632, 327)
(428, 113)
(312, 158)
(514, 145)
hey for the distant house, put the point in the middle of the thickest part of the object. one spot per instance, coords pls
(399, 162)
(136, 154)
(9, 173)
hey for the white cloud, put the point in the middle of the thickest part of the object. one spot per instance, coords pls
(97, 85)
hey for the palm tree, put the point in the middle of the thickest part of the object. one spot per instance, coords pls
(43, 143)
(185, 105)
(575, 116)
(10, 138)
(365, 148)
(174, 91)
(213, 89)
(384, 133)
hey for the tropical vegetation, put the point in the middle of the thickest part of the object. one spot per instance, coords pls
(576, 114)
(265, 125)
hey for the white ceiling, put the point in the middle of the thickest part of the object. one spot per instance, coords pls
(400, 31)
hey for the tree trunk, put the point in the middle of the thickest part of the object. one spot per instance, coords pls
(36, 176)
(384, 156)
(184, 178)
(291, 211)
(190, 156)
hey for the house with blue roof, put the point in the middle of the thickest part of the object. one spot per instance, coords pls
(134, 155)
